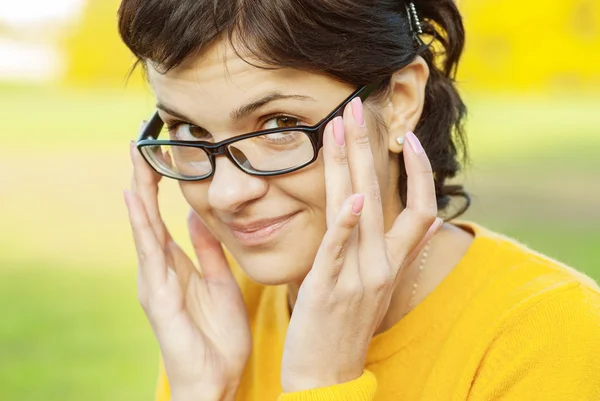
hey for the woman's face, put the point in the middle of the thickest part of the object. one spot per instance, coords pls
(272, 226)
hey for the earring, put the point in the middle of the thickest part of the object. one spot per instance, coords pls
(400, 141)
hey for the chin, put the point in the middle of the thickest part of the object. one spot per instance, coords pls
(275, 267)
(281, 258)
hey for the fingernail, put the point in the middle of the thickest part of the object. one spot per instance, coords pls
(436, 225)
(338, 131)
(414, 142)
(142, 126)
(358, 111)
(358, 203)
(434, 228)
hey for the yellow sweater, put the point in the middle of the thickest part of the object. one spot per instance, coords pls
(505, 324)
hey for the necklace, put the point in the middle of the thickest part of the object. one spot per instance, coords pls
(423, 255)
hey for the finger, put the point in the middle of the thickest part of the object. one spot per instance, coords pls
(153, 267)
(337, 176)
(145, 184)
(182, 265)
(421, 207)
(332, 252)
(208, 249)
(363, 175)
(430, 233)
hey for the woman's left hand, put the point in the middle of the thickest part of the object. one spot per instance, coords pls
(346, 294)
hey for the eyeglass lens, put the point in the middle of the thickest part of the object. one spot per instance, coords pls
(264, 153)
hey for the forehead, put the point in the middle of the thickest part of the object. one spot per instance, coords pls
(220, 79)
(216, 66)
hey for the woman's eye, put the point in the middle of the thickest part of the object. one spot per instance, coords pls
(188, 132)
(281, 122)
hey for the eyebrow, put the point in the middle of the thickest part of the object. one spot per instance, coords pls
(244, 110)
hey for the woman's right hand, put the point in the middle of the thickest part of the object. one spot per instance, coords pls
(200, 320)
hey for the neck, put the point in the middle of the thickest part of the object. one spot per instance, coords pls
(399, 302)
(446, 249)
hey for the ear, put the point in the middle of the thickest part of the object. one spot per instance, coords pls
(406, 99)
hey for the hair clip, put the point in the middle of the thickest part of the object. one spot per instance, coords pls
(413, 18)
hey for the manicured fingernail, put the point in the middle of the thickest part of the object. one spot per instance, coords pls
(357, 204)
(358, 111)
(338, 131)
(435, 226)
(414, 142)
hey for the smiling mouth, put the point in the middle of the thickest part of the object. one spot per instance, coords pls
(261, 232)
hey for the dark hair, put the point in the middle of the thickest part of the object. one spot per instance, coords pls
(357, 42)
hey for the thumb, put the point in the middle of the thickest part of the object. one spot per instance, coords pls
(208, 249)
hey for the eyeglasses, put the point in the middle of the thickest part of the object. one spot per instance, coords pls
(262, 153)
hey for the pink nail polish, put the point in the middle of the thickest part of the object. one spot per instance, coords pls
(358, 203)
(338, 131)
(414, 142)
(358, 111)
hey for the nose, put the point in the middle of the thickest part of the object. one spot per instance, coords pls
(231, 188)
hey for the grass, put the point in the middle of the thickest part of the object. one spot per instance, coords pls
(72, 328)
(73, 334)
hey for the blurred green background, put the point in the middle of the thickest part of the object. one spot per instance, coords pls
(71, 327)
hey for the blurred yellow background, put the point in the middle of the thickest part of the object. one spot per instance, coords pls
(71, 327)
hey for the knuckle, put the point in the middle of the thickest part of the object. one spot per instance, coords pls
(375, 191)
(380, 283)
(156, 300)
(339, 156)
(337, 251)
(351, 290)
(143, 257)
(146, 256)
(426, 214)
(348, 222)
(361, 139)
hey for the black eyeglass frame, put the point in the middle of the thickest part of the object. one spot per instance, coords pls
(314, 132)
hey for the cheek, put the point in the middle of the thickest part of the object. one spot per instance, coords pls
(308, 186)
(196, 195)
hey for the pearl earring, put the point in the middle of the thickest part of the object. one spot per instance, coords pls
(400, 141)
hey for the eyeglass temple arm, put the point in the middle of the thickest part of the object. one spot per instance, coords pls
(152, 128)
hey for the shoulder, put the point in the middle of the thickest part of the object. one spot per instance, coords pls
(513, 270)
(517, 281)
(546, 350)
(541, 321)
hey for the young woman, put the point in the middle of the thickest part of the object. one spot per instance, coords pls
(313, 140)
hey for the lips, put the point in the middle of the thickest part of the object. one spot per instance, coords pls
(259, 232)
